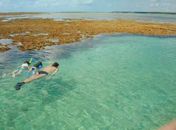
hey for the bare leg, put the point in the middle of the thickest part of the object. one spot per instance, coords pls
(15, 73)
(170, 126)
(34, 77)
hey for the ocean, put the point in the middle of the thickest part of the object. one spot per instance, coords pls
(109, 82)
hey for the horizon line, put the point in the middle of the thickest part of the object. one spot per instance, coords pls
(156, 12)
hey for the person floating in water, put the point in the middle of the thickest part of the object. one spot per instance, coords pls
(52, 69)
(24, 66)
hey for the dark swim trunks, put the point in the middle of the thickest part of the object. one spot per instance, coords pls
(43, 72)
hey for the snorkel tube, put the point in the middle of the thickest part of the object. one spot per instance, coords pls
(30, 61)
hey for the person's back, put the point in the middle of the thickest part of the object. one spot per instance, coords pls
(49, 69)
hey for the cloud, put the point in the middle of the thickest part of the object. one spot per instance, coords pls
(83, 1)
(2, 2)
(65, 3)
(163, 5)
(87, 5)
(51, 3)
(154, 3)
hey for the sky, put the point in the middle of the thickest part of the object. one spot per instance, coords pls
(87, 5)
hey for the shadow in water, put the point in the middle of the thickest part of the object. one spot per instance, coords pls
(49, 91)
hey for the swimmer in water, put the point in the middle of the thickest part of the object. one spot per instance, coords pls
(24, 66)
(52, 69)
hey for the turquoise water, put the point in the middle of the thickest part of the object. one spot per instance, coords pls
(116, 82)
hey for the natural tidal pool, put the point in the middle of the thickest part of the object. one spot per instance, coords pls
(110, 82)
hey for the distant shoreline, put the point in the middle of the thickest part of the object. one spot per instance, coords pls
(36, 34)
(146, 12)
(125, 12)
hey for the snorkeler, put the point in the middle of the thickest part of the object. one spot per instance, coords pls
(36, 67)
(52, 69)
(24, 66)
(27, 66)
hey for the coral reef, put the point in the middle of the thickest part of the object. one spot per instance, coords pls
(35, 34)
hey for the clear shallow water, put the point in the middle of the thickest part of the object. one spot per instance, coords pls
(6, 41)
(109, 82)
(150, 17)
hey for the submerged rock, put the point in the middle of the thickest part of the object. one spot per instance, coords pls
(21, 34)
(54, 40)
(1, 36)
(41, 34)
(18, 44)
(4, 48)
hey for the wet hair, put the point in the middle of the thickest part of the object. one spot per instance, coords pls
(55, 64)
(27, 62)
